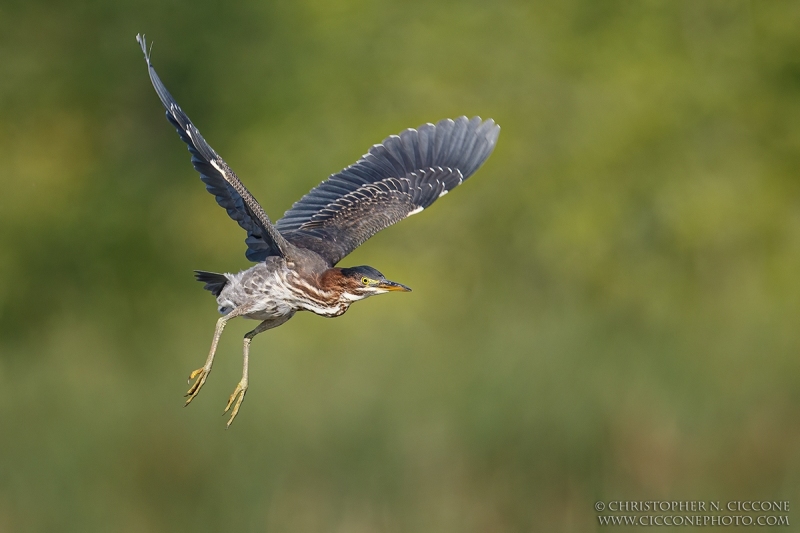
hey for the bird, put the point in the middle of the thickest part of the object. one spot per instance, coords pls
(296, 257)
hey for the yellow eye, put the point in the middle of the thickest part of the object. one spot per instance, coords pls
(365, 281)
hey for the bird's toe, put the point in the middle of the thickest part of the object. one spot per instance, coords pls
(199, 376)
(238, 397)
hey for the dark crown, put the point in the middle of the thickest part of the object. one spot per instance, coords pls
(359, 271)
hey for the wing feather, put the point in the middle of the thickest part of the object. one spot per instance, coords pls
(400, 177)
(263, 239)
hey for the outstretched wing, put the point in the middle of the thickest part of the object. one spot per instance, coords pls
(396, 179)
(262, 238)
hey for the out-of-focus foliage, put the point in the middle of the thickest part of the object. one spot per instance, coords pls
(608, 309)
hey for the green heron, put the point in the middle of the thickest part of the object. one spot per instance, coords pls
(296, 257)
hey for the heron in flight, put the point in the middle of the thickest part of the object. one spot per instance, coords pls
(296, 257)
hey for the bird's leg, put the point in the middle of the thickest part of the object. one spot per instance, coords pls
(241, 388)
(202, 373)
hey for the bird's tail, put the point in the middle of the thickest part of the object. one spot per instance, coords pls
(213, 282)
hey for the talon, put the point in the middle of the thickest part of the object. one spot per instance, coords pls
(201, 374)
(239, 392)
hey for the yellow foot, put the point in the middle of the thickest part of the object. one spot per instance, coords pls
(201, 374)
(240, 391)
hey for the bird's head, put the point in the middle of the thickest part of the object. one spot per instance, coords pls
(362, 281)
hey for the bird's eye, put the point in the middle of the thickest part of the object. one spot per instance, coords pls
(365, 281)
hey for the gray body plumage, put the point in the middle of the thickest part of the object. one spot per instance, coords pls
(271, 290)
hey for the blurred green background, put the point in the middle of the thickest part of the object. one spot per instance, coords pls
(607, 310)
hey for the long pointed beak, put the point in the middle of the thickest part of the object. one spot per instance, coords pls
(392, 286)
